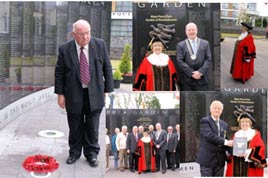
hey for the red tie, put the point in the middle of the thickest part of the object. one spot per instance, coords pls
(84, 68)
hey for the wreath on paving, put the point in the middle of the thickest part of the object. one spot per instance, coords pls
(40, 164)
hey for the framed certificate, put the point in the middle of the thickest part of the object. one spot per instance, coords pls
(239, 146)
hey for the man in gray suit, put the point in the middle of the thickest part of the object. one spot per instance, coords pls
(194, 60)
(172, 141)
(160, 143)
(83, 74)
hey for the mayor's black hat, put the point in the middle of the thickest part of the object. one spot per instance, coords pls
(157, 39)
(146, 129)
(246, 115)
(247, 25)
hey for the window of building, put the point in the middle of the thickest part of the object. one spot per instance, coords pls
(252, 6)
(225, 5)
(235, 6)
(121, 28)
(124, 6)
(224, 13)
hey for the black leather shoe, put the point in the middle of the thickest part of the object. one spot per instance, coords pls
(71, 160)
(93, 162)
(164, 171)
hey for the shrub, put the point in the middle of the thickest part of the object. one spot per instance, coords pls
(117, 75)
(125, 63)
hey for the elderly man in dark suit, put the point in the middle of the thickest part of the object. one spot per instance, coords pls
(172, 141)
(177, 157)
(160, 143)
(213, 142)
(83, 74)
(132, 142)
(194, 61)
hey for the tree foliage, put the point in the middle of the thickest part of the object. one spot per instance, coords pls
(125, 63)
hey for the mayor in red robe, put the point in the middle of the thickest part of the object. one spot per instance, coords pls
(157, 71)
(252, 162)
(242, 67)
(145, 150)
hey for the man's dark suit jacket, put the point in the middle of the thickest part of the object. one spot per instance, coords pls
(187, 66)
(212, 151)
(131, 142)
(162, 140)
(67, 75)
(172, 142)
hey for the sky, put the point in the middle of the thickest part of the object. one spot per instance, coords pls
(262, 8)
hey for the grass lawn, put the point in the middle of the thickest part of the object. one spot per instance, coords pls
(115, 64)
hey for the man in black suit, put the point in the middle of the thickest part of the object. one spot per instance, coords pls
(178, 146)
(172, 141)
(132, 142)
(160, 143)
(83, 74)
(213, 142)
(194, 60)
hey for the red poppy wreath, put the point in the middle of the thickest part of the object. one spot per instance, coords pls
(40, 163)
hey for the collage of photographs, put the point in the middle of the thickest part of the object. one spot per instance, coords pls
(115, 89)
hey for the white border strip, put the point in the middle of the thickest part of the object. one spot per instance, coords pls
(15, 109)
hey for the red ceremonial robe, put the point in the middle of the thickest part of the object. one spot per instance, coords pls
(243, 59)
(145, 78)
(146, 156)
(257, 156)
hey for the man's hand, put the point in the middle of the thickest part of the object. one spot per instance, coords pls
(230, 143)
(61, 101)
(196, 75)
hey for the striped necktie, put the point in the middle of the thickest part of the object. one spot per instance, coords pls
(84, 68)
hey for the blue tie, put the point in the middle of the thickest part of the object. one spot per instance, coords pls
(218, 126)
(194, 46)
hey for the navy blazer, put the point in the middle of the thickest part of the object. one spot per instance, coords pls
(212, 151)
(187, 66)
(67, 75)
(131, 142)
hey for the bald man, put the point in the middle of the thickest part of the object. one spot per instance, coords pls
(194, 61)
(83, 74)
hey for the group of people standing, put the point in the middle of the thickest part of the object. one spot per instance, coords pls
(146, 149)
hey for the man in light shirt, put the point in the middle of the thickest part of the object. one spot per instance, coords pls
(121, 145)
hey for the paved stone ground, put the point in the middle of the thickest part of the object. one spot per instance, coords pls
(260, 78)
(20, 139)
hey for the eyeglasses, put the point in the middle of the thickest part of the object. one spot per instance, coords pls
(83, 34)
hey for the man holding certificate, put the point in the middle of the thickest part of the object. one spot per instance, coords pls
(213, 143)
(248, 158)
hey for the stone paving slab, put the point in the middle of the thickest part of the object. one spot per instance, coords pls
(20, 139)
(260, 78)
